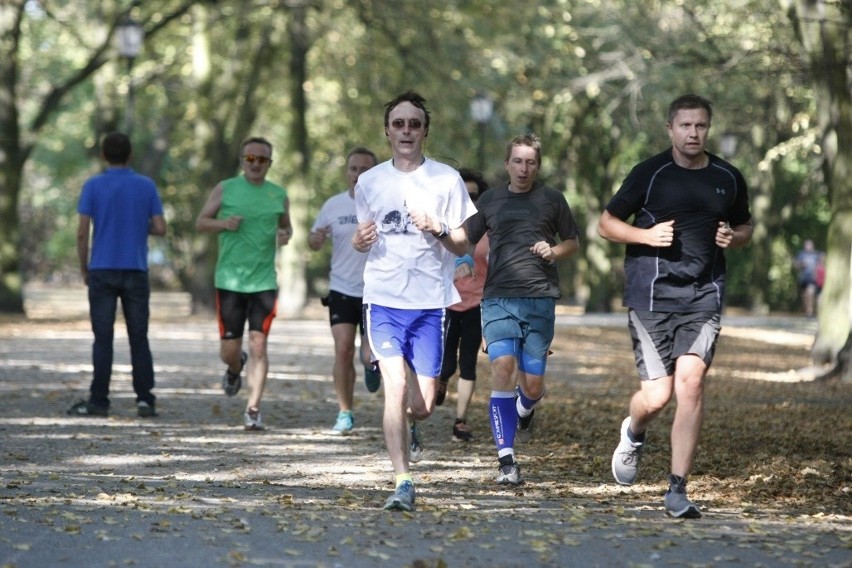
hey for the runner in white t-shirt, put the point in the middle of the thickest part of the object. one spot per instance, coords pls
(411, 213)
(336, 220)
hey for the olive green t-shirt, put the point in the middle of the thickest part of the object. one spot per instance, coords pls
(247, 256)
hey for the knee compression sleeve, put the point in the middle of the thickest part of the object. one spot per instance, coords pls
(503, 347)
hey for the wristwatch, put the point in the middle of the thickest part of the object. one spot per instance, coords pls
(445, 232)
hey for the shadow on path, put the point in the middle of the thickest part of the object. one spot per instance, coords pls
(192, 488)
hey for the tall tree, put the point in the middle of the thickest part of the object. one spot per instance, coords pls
(83, 55)
(824, 28)
(232, 61)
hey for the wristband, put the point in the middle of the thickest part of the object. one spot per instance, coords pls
(466, 259)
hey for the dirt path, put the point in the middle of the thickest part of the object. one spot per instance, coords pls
(191, 488)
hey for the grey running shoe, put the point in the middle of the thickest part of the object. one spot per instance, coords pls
(416, 453)
(509, 474)
(253, 420)
(526, 424)
(526, 428)
(146, 410)
(372, 377)
(678, 504)
(625, 459)
(402, 499)
(231, 383)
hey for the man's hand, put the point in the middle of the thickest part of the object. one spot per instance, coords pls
(724, 235)
(660, 235)
(544, 250)
(284, 235)
(365, 236)
(232, 223)
(317, 238)
(424, 222)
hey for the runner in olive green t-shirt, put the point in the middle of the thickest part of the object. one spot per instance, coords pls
(251, 217)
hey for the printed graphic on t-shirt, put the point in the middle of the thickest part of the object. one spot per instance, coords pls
(396, 221)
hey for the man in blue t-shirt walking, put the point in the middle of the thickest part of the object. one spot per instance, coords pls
(123, 207)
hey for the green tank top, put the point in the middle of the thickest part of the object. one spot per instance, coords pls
(247, 256)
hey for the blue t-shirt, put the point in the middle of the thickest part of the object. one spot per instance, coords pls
(120, 203)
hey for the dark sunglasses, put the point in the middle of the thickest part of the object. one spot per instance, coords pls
(251, 158)
(413, 124)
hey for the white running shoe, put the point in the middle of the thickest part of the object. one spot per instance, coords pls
(626, 458)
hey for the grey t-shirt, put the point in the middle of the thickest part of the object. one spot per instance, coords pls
(515, 222)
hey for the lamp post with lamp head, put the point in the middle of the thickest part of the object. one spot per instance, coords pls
(129, 35)
(481, 108)
(728, 144)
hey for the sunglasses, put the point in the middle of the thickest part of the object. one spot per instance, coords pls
(251, 158)
(413, 124)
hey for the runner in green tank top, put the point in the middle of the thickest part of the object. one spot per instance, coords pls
(251, 217)
(247, 257)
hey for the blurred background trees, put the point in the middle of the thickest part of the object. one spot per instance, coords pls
(592, 77)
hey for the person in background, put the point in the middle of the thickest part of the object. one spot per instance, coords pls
(337, 221)
(251, 217)
(411, 213)
(530, 228)
(687, 206)
(464, 324)
(807, 264)
(124, 207)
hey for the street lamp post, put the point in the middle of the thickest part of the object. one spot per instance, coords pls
(129, 35)
(728, 145)
(481, 108)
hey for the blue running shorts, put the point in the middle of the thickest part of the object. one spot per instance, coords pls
(415, 335)
(530, 321)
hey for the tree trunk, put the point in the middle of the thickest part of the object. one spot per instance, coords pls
(11, 284)
(17, 143)
(292, 281)
(824, 29)
(11, 162)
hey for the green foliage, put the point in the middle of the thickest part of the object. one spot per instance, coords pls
(592, 77)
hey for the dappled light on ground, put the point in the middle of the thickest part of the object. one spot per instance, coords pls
(772, 472)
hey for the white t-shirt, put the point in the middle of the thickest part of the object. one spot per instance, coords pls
(408, 268)
(347, 264)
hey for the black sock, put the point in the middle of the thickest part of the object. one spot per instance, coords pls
(507, 460)
(677, 480)
(635, 438)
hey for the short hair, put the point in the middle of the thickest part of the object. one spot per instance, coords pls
(689, 102)
(476, 177)
(116, 148)
(256, 140)
(530, 140)
(362, 150)
(407, 97)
